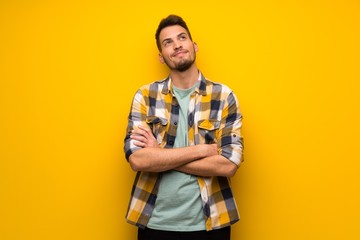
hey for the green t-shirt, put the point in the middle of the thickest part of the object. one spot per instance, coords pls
(178, 205)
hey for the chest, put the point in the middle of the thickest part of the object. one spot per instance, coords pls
(203, 118)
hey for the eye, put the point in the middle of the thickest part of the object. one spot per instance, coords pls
(182, 37)
(166, 43)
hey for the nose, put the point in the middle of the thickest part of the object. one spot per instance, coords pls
(177, 45)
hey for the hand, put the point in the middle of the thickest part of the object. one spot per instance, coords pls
(144, 137)
(212, 149)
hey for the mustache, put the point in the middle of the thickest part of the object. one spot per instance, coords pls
(179, 51)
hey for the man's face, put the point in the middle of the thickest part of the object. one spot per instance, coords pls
(177, 49)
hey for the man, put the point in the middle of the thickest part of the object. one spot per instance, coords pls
(183, 139)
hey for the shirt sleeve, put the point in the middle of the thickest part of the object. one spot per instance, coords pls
(136, 117)
(231, 139)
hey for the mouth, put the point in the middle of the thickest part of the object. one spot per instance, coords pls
(179, 53)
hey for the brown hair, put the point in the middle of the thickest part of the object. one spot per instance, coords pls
(170, 20)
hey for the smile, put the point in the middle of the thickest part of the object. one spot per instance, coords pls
(179, 53)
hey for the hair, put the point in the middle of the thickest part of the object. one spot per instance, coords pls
(170, 20)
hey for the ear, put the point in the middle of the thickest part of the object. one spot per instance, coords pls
(161, 58)
(196, 47)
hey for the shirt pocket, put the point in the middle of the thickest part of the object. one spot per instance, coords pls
(208, 130)
(158, 127)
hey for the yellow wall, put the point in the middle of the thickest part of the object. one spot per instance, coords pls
(68, 71)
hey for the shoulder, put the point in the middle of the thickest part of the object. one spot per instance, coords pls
(217, 87)
(220, 92)
(154, 86)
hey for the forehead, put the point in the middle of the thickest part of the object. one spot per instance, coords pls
(171, 32)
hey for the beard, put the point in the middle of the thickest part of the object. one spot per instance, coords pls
(182, 65)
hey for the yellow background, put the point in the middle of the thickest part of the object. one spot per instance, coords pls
(68, 71)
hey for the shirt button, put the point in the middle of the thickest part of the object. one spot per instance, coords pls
(171, 142)
(175, 123)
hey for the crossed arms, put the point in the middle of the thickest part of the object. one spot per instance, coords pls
(201, 160)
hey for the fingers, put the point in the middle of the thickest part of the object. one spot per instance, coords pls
(141, 130)
(140, 141)
(143, 137)
(139, 144)
(213, 149)
(139, 138)
(146, 129)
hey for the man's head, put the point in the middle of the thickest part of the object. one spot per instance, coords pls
(171, 20)
(175, 44)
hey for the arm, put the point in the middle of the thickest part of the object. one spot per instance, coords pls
(216, 165)
(201, 160)
(230, 142)
(152, 158)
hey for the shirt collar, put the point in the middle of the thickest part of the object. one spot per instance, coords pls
(200, 88)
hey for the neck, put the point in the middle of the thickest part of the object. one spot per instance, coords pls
(186, 79)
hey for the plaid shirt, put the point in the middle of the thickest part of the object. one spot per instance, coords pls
(213, 117)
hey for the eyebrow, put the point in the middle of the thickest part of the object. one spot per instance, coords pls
(167, 39)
